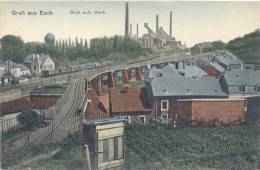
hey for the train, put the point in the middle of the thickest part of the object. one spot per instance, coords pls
(69, 69)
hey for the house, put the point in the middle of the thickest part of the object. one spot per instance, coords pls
(94, 107)
(188, 100)
(40, 63)
(2, 70)
(217, 66)
(228, 60)
(241, 82)
(188, 69)
(15, 69)
(201, 47)
(131, 104)
(104, 142)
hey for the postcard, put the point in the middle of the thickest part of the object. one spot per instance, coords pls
(136, 85)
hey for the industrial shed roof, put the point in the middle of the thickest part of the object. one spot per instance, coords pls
(217, 66)
(239, 77)
(190, 70)
(172, 84)
(228, 58)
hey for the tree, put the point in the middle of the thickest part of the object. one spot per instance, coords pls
(30, 119)
(12, 48)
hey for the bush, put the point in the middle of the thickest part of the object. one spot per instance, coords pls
(30, 119)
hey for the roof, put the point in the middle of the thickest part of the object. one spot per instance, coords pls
(165, 71)
(228, 58)
(172, 84)
(14, 65)
(95, 109)
(102, 121)
(132, 100)
(190, 70)
(104, 99)
(239, 77)
(204, 45)
(42, 58)
(217, 66)
(210, 70)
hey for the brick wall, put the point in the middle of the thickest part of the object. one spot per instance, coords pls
(27, 102)
(43, 102)
(183, 111)
(218, 112)
(205, 112)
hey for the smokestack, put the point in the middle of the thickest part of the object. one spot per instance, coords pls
(126, 20)
(131, 29)
(137, 30)
(171, 24)
(157, 23)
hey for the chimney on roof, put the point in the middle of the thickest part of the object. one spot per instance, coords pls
(130, 29)
(157, 23)
(171, 24)
(137, 30)
(126, 88)
(126, 20)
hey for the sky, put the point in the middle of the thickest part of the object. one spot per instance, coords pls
(193, 22)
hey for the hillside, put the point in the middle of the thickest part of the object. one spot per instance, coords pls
(247, 48)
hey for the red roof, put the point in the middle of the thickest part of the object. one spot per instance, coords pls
(95, 109)
(132, 100)
(104, 99)
(210, 70)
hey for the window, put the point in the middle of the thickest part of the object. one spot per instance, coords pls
(110, 149)
(164, 116)
(100, 151)
(105, 150)
(165, 105)
(142, 119)
(257, 88)
(127, 119)
(116, 148)
(243, 88)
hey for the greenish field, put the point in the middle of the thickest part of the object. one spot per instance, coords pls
(150, 147)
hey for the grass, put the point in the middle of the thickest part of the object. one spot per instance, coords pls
(157, 147)
(133, 84)
(69, 158)
(150, 147)
(52, 89)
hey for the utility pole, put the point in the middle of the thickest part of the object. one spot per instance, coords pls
(88, 165)
(2, 146)
(41, 79)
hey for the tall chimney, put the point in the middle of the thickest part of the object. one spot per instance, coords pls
(171, 24)
(130, 29)
(157, 23)
(126, 20)
(136, 30)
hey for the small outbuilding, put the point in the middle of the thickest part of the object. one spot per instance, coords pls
(104, 140)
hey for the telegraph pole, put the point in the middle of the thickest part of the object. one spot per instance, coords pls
(2, 146)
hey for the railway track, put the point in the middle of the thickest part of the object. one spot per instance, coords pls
(62, 116)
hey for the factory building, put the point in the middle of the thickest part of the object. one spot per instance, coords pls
(241, 82)
(159, 39)
(189, 100)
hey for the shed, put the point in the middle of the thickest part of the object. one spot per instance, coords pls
(105, 140)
